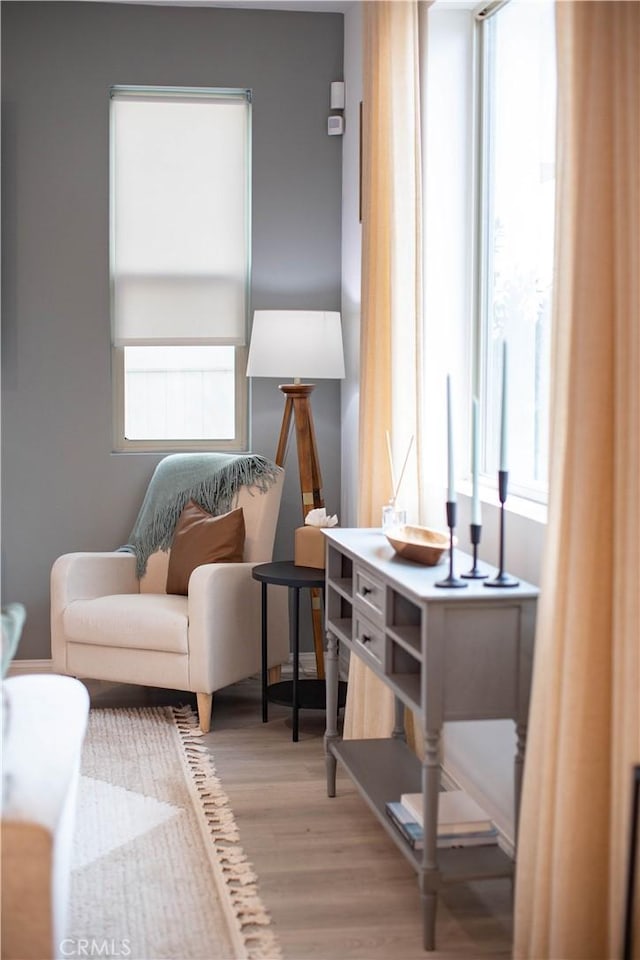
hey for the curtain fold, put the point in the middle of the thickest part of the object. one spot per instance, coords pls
(585, 710)
(391, 318)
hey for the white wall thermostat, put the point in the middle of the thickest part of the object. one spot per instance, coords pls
(335, 126)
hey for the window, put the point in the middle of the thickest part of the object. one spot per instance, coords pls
(186, 393)
(180, 176)
(514, 264)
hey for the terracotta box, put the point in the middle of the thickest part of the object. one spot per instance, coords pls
(309, 547)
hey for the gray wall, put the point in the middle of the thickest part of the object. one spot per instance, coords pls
(63, 488)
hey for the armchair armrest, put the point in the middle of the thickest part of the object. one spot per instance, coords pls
(225, 625)
(83, 576)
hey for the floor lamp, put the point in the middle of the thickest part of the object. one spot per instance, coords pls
(296, 344)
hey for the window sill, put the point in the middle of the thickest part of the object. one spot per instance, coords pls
(517, 505)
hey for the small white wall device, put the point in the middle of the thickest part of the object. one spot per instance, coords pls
(337, 95)
(335, 123)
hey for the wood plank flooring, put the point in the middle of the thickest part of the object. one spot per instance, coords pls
(335, 884)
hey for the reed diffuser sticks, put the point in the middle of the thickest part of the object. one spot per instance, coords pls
(396, 486)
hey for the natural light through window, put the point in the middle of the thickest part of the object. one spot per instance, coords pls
(184, 393)
(517, 198)
(180, 175)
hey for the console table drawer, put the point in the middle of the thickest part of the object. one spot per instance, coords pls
(369, 595)
(368, 640)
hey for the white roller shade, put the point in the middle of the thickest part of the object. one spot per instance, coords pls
(179, 217)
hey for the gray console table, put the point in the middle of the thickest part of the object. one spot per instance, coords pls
(447, 654)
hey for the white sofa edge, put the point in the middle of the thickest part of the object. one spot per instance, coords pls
(44, 721)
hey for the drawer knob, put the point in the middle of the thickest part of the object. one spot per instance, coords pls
(366, 638)
(366, 590)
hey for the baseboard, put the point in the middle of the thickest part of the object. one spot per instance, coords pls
(18, 667)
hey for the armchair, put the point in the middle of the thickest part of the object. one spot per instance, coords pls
(109, 624)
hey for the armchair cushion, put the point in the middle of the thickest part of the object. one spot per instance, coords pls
(144, 621)
(201, 538)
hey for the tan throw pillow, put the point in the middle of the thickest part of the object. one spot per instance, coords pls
(200, 538)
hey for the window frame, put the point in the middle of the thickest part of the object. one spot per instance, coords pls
(242, 386)
(481, 257)
(121, 444)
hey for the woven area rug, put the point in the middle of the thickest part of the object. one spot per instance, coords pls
(158, 871)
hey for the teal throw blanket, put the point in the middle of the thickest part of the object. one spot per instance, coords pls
(211, 479)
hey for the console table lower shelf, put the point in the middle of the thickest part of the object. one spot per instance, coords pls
(384, 769)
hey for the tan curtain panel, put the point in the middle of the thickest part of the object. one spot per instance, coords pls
(391, 325)
(585, 712)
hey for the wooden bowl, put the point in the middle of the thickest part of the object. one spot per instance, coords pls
(420, 544)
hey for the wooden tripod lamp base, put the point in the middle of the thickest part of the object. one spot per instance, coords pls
(298, 408)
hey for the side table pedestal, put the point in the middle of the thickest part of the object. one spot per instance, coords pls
(305, 694)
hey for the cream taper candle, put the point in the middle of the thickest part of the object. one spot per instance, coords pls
(451, 490)
(476, 517)
(503, 424)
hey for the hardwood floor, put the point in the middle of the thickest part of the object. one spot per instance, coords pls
(335, 884)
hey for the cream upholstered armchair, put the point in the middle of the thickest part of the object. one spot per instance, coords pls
(108, 622)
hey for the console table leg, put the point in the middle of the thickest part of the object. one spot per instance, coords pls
(331, 731)
(431, 790)
(429, 902)
(521, 742)
(331, 767)
(399, 732)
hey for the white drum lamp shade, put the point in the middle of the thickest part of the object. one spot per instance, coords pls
(297, 344)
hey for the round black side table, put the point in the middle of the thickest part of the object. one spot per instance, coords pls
(298, 694)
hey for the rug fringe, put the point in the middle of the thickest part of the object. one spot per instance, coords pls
(241, 881)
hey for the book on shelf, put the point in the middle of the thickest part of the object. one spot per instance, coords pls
(413, 833)
(410, 830)
(457, 812)
(485, 838)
